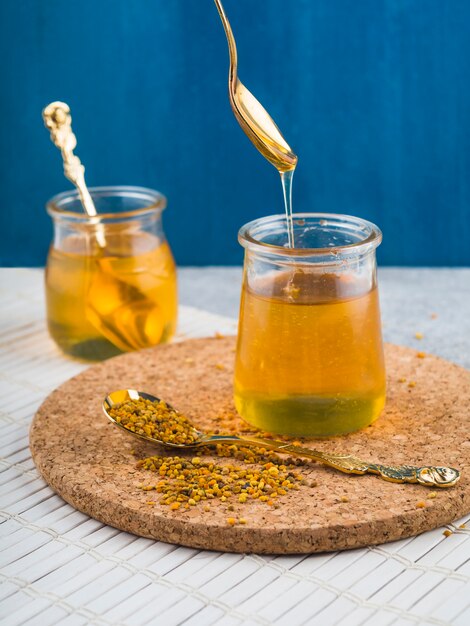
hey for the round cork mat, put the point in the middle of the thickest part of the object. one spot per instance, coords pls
(90, 463)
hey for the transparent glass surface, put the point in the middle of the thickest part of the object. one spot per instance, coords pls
(309, 358)
(110, 283)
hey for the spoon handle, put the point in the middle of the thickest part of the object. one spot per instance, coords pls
(58, 121)
(429, 475)
(232, 46)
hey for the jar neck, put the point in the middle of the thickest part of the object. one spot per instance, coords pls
(319, 238)
(114, 236)
(125, 213)
(328, 261)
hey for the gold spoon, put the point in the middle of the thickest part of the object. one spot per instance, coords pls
(116, 308)
(429, 476)
(58, 121)
(255, 121)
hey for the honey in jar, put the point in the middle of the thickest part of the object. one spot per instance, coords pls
(102, 300)
(309, 357)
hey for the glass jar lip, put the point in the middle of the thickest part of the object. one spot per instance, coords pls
(249, 241)
(156, 199)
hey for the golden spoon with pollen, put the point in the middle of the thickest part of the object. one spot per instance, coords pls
(429, 476)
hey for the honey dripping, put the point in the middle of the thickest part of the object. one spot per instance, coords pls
(259, 127)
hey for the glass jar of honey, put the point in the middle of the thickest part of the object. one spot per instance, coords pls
(111, 281)
(309, 357)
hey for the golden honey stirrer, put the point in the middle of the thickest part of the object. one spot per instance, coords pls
(58, 121)
(259, 126)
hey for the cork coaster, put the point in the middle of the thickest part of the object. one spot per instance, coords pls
(88, 461)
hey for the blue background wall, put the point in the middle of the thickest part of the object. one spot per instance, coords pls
(374, 95)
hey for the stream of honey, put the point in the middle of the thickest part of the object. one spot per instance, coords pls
(309, 357)
(101, 303)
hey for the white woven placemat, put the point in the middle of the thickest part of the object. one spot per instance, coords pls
(58, 566)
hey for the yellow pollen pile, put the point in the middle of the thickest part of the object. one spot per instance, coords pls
(154, 419)
(185, 482)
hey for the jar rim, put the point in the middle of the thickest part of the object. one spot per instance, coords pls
(247, 235)
(155, 202)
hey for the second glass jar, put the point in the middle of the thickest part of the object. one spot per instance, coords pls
(110, 284)
(309, 356)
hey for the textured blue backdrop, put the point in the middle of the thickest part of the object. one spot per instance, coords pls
(374, 95)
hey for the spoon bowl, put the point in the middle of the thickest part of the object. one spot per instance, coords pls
(428, 476)
(123, 395)
(255, 121)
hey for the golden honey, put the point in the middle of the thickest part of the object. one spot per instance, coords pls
(309, 356)
(104, 301)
